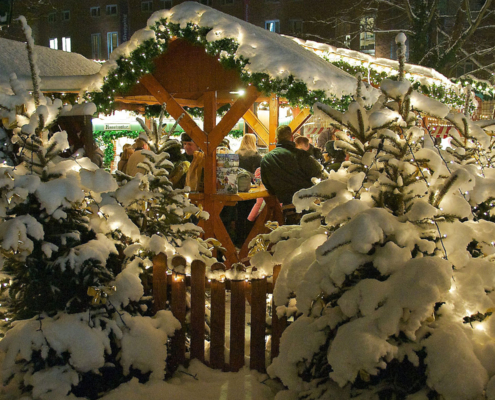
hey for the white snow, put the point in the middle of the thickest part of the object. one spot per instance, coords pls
(267, 52)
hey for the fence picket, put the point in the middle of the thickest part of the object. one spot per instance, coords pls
(198, 269)
(278, 324)
(217, 345)
(258, 318)
(159, 282)
(178, 343)
(237, 324)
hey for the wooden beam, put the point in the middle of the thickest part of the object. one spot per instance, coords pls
(300, 119)
(238, 109)
(273, 121)
(175, 110)
(257, 126)
(210, 121)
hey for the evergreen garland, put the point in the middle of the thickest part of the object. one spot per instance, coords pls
(140, 62)
(105, 139)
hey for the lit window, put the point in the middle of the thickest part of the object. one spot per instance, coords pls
(52, 17)
(94, 11)
(273, 25)
(96, 46)
(367, 35)
(65, 15)
(296, 26)
(166, 4)
(54, 44)
(112, 42)
(66, 46)
(147, 6)
(112, 9)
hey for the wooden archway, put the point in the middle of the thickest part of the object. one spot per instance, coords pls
(185, 75)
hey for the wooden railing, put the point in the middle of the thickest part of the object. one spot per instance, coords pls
(169, 292)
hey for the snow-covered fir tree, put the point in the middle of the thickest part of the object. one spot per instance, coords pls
(390, 271)
(79, 326)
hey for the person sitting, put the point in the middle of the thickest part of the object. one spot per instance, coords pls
(127, 152)
(136, 158)
(302, 142)
(249, 158)
(286, 169)
(333, 158)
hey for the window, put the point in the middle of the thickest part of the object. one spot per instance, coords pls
(112, 9)
(65, 15)
(205, 2)
(66, 46)
(54, 44)
(367, 35)
(146, 6)
(227, 2)
(112, 42)
(296, 26)
(96, 46)
(273, 25)
(166, 4)
(52, 17)
(94, 11)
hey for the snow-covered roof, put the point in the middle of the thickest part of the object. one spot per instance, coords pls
(267, 52)
(59, 70)
(385, 64)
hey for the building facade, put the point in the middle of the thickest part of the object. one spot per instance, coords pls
(94, 28)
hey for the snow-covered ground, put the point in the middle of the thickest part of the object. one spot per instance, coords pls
(201, 382)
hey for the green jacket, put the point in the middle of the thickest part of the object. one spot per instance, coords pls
(286, 169)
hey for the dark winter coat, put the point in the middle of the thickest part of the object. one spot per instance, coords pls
(286, 169)
(249, 160)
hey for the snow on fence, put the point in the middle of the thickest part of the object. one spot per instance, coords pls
(170, 286)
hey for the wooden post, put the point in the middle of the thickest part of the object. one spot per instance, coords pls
(237, 323)
(258, 317)
(217, 357)
(278, 325)
(178, 343)
(159, 282)
(198, 310)
(273, 121)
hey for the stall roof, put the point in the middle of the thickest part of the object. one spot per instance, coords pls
(267, 52)
(59, 70)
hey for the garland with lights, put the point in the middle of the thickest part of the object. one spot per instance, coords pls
(445, 95)
(140, 62)
(105, 139)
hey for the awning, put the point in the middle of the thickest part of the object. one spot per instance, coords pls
(313, 131)
(440, 131)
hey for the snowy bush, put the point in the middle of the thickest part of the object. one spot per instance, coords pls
(391, 269)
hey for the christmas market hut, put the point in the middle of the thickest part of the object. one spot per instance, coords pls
(193, 56)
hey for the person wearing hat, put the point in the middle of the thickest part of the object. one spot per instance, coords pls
(193, 154)
(177, 176)
(333, 158)
(189, 147)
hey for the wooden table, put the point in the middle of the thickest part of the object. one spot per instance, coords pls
(214, 226)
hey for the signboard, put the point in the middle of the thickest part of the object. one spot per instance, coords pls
(5, 12)
(117, 127)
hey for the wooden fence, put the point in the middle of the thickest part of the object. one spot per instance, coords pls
(169, 286)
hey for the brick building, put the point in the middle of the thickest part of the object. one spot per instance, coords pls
(94, 28)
